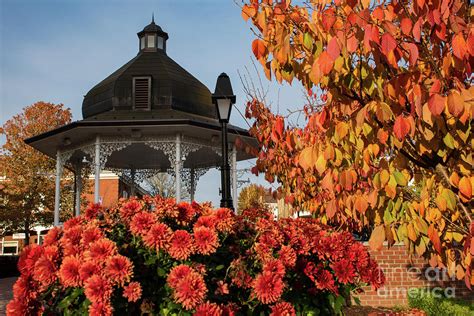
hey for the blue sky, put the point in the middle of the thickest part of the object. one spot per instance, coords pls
(56, 50)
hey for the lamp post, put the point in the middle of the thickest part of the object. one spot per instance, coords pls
(224, 98)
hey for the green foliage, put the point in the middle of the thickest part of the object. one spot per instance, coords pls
(434, 305)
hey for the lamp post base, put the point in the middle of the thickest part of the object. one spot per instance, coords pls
(227, 203)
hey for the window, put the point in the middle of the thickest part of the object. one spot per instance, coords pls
(151, 41)
(141, 92)
(142, 42)
(160, 42)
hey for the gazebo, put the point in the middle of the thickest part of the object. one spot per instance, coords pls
(149, 116)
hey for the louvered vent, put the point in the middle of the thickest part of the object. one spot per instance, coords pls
(142, 92)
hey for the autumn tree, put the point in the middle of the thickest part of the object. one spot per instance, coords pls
(387, 142)
(28, 176)
(251, 196)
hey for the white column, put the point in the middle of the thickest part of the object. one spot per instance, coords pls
(132, 176)
(78, 189)
(177, 168)
(38, 233)
(97, 170)
(234, 177)
(193, 183)
(57, 190)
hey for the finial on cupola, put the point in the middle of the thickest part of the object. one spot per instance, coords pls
(152, 38)
(153, 17)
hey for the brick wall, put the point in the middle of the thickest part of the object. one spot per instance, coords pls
(404, 273)
(109, 191)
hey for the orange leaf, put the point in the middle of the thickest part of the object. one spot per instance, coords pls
(331, 208)
(465, 187)
(459, 46)
(455, 103)
(406, 25)
(401, 127)
(307, 157)
(377, 238)
(248, 11)
(437, 103)
(388, 43)
(413, 49)
(333, 49)
(361, 204)
(258, 48)
(352, 44)
(325, 63)
(434, 237)
(279, 125)
(417, 29)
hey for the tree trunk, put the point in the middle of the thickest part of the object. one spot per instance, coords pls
(27, 230)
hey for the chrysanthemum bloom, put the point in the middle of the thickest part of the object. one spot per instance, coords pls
(190, 291)
(88, 269)
(71, 223)
(71, 240)
(24, 288)
(178, 273)
(267, 288)
(69, 271)
(208, 221)
(222, 288)
(45, 271)
(52, 236)
(130, 208)
(119, 269)
(28, 258)
(181, 246)
(344, 271)
(264, 253)
(185, 213)
(224, 220)
(92, 210)
(158, 237)
(205, 240)
(141, 223)
(101, 250)
(274, 267)
(91, 234)
(100, 309)
(287, 256)
(324, 280)
(97, 289)
(132, 292)
(208, 309)
(283, 309)
(17, 307)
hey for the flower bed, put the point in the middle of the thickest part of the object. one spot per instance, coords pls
(156, 256)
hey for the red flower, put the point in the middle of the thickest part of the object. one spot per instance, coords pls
(208, 309)
(45, 271)
(101, 250)
(88, 269)
(69, 272)
(344, 271)
(24, 289)
(17, 307)
(208, 221)
(287, 256)
(325, 281)
(283, 309)
(185, 213)
(71, 240)
(178, 273)
(119, 269)
(181, 245)
(28, 258)
(224, 220)
(92, 210)
(72, 223)
(100, 309)
(52, 236)
(205, 240)
(141, 223)
(132, 292)
(222, 288)
(158, 237)
(97, 289)
(91, 235)
(267, 288)
(190, 291)
(274, 267)
(130, 208)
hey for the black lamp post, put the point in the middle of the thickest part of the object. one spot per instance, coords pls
(224, 98)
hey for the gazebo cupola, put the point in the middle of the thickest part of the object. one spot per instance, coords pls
(152, 37)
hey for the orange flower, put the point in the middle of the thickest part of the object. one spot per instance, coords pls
(92, 210)
(69, 272)
(45, 271)
(287, 256)
(283, 309)
(88, 269)
(97, 289)
(225, 220)
(119, 269)
(181, 245)
(100, 309)
(178, 273)
(190, 291)
(52, 236)
(208, 309)
(158, 237)
(130, 208)
(91, 235)
(101, 250)
(274, 267)
(205, 240)
(267, 288)
(132, 292)
(208, 221)
(141, 223)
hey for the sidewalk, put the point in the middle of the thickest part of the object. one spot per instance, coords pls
(6, 294)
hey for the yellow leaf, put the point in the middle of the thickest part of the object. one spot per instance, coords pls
(377, 238)
(307, 157)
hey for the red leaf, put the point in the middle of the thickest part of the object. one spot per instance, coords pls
(328, 19)
(459, 46)
(352, 44)
(406, 25)
(388, 43)
(434, 237)
(436, 104)
(279, 126)
(470, 42)
(325, 63)
(420, 3)
(258, 48)
(417, 30)
(333, 49)
(413, 49)
(401, 127)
